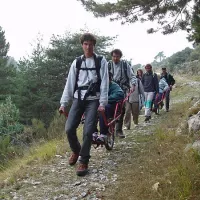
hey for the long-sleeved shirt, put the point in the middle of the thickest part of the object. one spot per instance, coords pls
(134, 97)
(119, 73)
(84, 79)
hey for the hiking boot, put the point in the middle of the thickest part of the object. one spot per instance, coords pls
(147, 118)
(102, 138)
(167, 110)
(73, 158)
(120, 134)
(82, 169)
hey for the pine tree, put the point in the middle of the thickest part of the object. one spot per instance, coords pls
(7, 72)
(170, 16)
(43, 74)
(4, 46)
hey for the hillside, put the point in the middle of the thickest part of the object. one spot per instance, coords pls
(151, 156)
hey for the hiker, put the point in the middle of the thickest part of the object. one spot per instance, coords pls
(87, 87)
(134, 105)
(150, 84)
(163, 88)
(139, 74)
(115, 94)
(141, 92)
(170, 81)
(123, 75)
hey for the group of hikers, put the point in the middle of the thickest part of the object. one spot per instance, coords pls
(94, 85)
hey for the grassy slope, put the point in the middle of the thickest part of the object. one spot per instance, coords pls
(157, 160)
(152, 155)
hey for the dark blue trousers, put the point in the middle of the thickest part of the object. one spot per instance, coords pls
(89, 108)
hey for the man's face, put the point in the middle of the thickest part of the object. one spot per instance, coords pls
(116, 58)
(164, 71)
(88, 48)
(148, 68)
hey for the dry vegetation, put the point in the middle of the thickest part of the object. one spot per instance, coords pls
(159, 167)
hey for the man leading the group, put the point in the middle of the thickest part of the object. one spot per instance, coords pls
(123, 75)
(87, 88)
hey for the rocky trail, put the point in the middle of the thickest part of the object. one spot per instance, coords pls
(57, 180)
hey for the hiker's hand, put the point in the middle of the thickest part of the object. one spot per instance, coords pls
(132, 89)
(61, 109)
(170, 87)
(101, 108)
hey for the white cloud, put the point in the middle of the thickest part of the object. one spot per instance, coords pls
(24, 19)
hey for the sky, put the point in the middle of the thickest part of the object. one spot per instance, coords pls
(23, 20)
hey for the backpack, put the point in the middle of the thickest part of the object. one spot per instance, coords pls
(97, 67)
(111, 69)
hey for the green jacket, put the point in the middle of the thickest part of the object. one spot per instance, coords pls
(115, 93)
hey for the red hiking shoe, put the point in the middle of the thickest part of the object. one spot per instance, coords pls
(73, 158)
(82, 169)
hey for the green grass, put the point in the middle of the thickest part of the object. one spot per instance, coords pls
(154, 158)
(160, 158)
(37, 155)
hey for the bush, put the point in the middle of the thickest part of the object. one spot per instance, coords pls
(9, 117)
(56, 128)
(39, 130)
(8, 151)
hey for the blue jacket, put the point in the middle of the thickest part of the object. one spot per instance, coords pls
(163, 86)
(115, 93)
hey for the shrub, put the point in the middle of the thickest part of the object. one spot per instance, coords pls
(9, 117)
(39, 130)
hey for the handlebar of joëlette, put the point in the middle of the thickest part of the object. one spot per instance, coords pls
(64, 113)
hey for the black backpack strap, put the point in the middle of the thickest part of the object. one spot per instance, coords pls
(110, 67)
(98, 60)
(125, 70)
(79, 60)
(78, 67)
